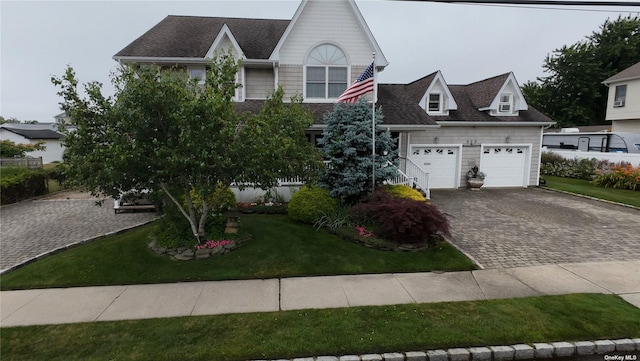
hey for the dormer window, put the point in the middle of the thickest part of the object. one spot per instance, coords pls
(326, 72)
(435, 102)
(505, 103)
(621, 95)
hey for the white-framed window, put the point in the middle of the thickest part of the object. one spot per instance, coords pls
(621, 96)
(197, 73)
(504, 106)
(435, 101)
(326, 72)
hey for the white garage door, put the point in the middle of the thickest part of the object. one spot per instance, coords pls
(505, 166)
(440, 162)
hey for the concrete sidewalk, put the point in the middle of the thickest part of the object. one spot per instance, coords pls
(89, 304)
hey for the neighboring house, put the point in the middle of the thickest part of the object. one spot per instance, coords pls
(441, 129)
(32, 134)
(62, 119)
(623, 105)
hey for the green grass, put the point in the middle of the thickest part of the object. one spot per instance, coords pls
(279, 248)
(583, 187)
(338, 331)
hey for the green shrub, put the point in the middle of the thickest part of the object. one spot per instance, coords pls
(310, 203)
(174, 230)
(56, 171)
(585, 168)
(17, 184)
(403, 191)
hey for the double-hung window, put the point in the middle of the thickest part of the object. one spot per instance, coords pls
(505, 103)
(326, 72)
(434, 102)
(621, 96)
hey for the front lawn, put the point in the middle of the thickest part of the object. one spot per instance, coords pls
(279, 248)
(584, 187)
(339, 331)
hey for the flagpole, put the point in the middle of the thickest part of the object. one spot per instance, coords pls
(373, 124)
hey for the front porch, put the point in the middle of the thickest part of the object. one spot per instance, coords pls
(408, 173)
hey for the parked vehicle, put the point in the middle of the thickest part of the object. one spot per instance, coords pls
(618, 142)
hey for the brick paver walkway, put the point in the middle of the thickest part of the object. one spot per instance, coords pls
(504, 228)
(31, 228)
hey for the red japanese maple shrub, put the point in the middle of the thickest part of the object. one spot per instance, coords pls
(402, 220)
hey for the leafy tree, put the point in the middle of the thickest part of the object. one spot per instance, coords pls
(346, 143)
(573, 94)
(9, 149)
(4, 120)
(165, 132)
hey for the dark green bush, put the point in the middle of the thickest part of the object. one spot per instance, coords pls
(401, 220)
(17, 184)
(57, 172)
(310, 203)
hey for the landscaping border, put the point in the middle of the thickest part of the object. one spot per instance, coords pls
(611, 350)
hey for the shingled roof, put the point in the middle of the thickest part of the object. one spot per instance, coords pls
(35, 133)
(400, 103)
(192, 37)
(632, 72)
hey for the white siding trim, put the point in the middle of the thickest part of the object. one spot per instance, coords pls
(225, 31)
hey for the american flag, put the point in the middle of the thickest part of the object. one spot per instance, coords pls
(361, 86)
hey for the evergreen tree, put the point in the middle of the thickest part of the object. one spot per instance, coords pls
(346, 143)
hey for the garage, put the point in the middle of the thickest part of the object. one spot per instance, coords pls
(505, 165)
(441, 162)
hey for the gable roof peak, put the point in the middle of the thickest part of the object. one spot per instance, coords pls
(178, 36)
(500, 77)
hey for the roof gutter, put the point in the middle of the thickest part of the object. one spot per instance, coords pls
(494, 124)
(390, 127)
(181, 60)
(607, 82)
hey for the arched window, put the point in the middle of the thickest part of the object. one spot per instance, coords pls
(326, 72)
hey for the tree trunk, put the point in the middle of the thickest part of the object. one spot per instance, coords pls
(191, 217)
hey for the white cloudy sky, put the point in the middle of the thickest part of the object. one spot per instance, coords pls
(466, 42)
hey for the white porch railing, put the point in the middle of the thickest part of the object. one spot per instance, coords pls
(415, 177)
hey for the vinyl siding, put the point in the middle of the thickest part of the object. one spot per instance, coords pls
(327, 21)
(259, 83)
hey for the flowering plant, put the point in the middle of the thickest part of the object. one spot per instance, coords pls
(362, 231)
(213, 244)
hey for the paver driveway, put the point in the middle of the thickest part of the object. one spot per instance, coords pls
(31, 228)
(503, 228)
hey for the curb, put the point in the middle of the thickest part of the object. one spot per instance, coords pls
(610, 350)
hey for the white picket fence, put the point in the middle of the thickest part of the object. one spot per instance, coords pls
(414, 177)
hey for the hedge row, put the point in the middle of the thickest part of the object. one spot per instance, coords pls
(17, 184)
(603, 173)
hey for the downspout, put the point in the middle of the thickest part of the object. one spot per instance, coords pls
(543, 128)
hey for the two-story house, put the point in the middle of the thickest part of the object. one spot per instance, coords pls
(623, 104)
(441, 129)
